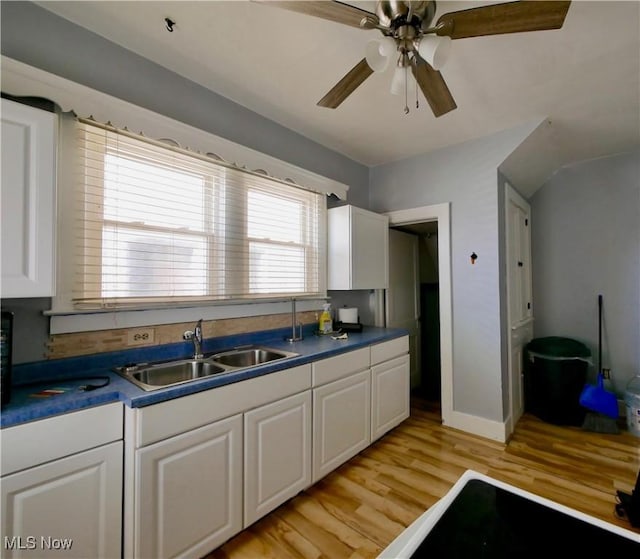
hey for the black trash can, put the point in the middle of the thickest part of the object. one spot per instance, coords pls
(555, 372)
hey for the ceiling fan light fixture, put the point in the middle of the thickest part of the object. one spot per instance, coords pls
(399, 80)
(388, 46)
(378, 53)
(408, 28)
(435, 50)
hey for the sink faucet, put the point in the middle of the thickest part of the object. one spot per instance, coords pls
(294, 320)
(195, 336)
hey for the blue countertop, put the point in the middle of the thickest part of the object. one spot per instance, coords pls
(50, 388)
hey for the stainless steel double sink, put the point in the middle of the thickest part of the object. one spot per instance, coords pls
(152, 376)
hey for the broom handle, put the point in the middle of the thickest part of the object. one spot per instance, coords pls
(599, 334)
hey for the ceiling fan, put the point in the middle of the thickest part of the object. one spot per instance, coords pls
(420, 46)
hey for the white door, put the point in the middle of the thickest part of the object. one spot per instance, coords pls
(189, 491)
(70, 507)
(403, 294)
(520, 307)
(277, 454)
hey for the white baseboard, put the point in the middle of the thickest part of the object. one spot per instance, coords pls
(494, 430)
(480, 426)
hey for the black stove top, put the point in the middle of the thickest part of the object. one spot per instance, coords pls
(485, 521)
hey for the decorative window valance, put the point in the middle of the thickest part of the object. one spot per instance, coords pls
(22, 80)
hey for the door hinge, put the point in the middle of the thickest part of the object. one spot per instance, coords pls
(526, 222)
(528, 306)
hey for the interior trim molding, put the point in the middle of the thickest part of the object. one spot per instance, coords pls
(19, 79)
(481, 426)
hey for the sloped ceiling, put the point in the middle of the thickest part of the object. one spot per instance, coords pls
(582, 81)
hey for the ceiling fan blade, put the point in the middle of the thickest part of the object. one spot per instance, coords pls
(511, 17)
(433, 87)
(347, 85)
(333, 11)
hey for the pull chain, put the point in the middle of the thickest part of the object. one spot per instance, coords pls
(406, 90)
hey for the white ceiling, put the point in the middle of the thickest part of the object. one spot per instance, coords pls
(584, 77)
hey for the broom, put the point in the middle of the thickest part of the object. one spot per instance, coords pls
(602, 404)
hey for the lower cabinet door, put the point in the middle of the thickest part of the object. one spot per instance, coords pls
(189, 491)
(71, 507)
(277, 454)
(389, 395)
(341, 422)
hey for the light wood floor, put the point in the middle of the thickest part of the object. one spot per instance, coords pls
(357, 510)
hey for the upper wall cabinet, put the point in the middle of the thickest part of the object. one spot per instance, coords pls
(358, 249)
(28, 200)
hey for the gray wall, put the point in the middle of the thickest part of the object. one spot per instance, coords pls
(30, 328)
(586, 241)
(37, 37)
(467, 176)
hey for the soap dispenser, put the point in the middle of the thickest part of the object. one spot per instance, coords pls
(325, 325)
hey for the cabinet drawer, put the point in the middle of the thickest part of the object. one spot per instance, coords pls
(340, 366)
(28, 445)
(388, 350)
(160, 421)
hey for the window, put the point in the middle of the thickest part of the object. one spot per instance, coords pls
(157, 225)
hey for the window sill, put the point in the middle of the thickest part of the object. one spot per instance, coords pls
(66, 322)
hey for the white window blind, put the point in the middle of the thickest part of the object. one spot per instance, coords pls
(159, 225)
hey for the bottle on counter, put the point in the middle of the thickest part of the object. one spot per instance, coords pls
(325, 324)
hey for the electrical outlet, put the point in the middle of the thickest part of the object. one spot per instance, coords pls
(606, 374)
(140, 336)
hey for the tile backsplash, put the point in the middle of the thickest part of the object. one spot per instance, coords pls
(87, 343)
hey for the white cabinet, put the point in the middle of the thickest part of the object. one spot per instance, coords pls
(520, 337)
(341, 410)
(519, 299)
(390, 372)
(518, 241)
(200, 468)
(188, 491)
(357, 249)
(28, 200)
(186, 483)
(71, 506)
(341, 422)
(277, 454)
(389, 395)
(62, 496)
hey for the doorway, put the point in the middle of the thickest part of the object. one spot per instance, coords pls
(421, 283)
(436, 219)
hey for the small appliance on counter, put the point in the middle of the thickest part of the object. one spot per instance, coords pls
(6, 345)
(348, 320)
